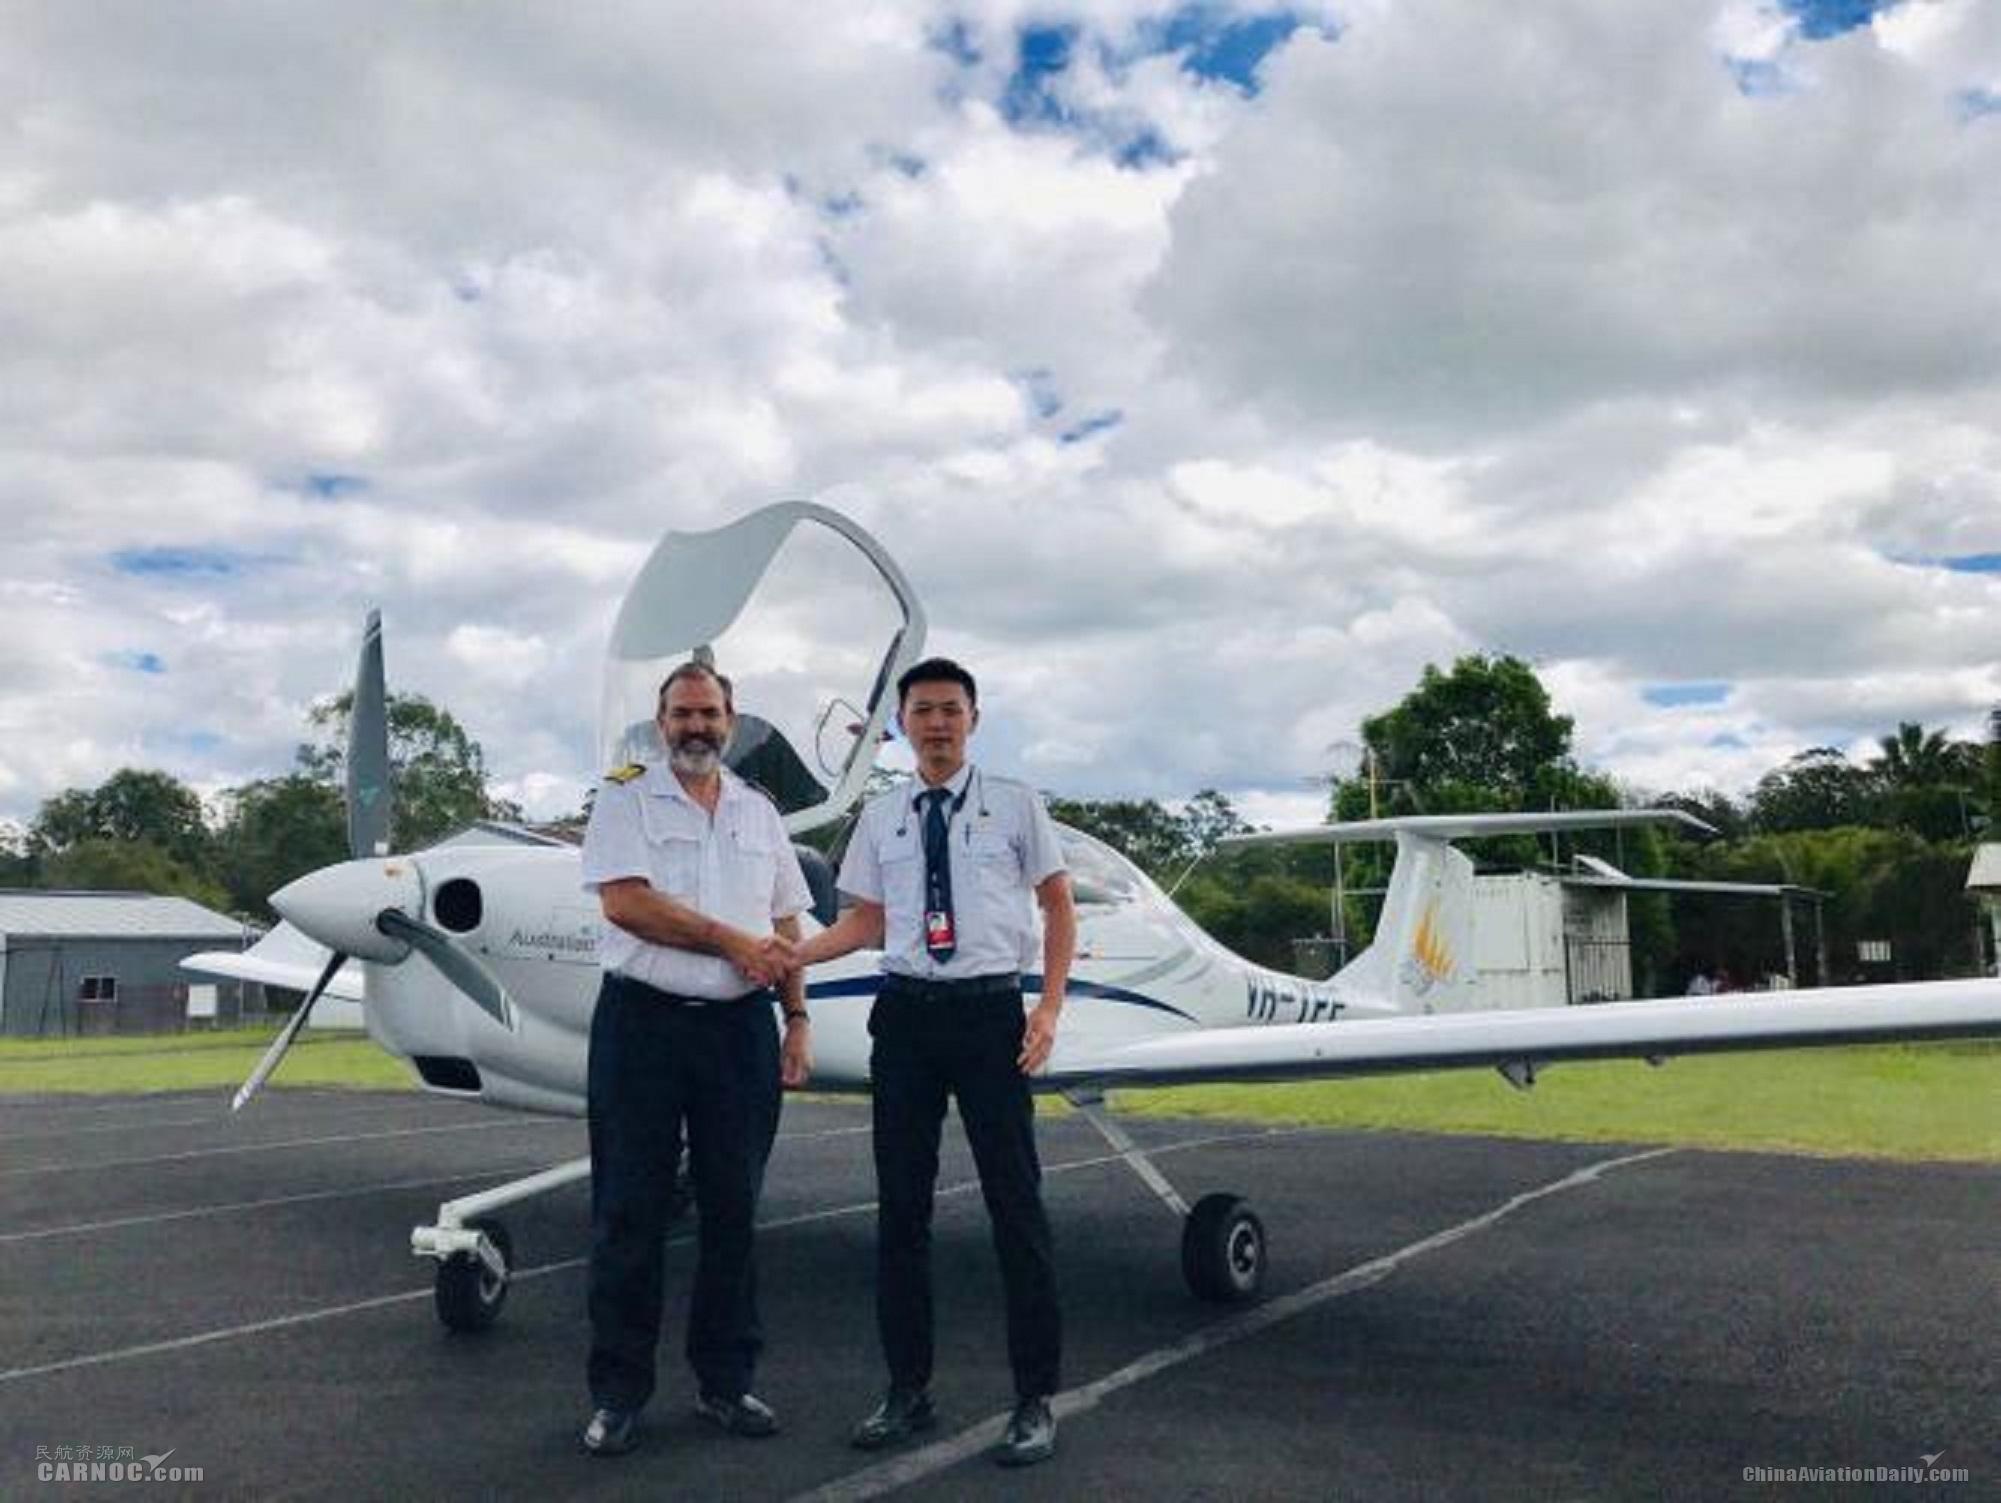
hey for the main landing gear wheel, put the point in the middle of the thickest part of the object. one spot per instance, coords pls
(1223, 1249)
(469, 1293)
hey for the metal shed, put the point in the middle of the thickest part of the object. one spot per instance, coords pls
(109, 962)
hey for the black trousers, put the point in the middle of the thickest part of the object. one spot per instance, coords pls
(655, 1066)
(929, 1044)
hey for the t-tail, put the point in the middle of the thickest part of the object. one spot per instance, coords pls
(1421, 960)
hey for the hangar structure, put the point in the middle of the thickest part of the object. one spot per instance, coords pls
(109, 962)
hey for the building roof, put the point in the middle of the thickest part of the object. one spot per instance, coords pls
(109, 915)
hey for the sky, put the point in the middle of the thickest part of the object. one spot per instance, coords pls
(1210, 369)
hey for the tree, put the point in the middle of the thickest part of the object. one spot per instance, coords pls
(1917, 758)
(279, 829)
(438, 772)
(133, 804)
(1483, 732)
(1142, 830)
(106, 865)
(1209, 817)
(1819, 789)
(1717, 810)
(1928, 781)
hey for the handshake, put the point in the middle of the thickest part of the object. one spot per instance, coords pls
(768, 961)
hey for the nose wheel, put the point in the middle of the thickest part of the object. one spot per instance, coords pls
(474, 1252)
(472, 1286)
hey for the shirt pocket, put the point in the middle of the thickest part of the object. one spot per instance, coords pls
(995, 862)
(674, 849)
(752, 874)
(902, 880)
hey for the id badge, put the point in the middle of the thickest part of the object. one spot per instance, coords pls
(938, 930)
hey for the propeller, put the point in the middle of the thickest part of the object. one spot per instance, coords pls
(283, 1042)
(368, 789)
(456, 963)
(334, 905)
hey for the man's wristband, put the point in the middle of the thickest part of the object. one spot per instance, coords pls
(797, 1015)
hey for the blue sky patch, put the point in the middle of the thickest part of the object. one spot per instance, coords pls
(1096, 423)
(1973, 103)
(1042, 54)
(328, 486)
(1038, 389)
(136, 661)
(1147, 147)
(1727, 741)
(1821, 19)
(955, 40)
(1757, 77)
(1974, 563)
(1225, 49)
(178, 563)
(1673, 696)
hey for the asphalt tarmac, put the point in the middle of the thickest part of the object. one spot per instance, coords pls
(1444, 1317)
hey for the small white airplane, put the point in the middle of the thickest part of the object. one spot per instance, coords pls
(500, 1009)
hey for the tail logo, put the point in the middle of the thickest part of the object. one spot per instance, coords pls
(1430, 961)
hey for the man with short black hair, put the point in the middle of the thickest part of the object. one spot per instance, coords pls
(946, 873)
(701, 894)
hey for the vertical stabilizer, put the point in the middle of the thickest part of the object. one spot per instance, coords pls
(1422, 957)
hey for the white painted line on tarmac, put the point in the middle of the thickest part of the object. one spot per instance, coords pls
(543, 1270)
(915, 1466)
(217, 1116)
(274, 1145)
(115, 1223)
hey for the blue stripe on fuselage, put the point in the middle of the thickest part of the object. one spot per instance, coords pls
(1031, 985)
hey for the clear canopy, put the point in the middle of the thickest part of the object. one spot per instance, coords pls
(809, 619)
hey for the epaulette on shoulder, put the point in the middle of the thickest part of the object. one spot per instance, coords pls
(626, 773)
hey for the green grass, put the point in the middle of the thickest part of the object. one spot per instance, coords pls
(189, 1061)
(1913, 1102)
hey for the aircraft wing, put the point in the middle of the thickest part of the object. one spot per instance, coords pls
(284, 957)
(1613, 1030)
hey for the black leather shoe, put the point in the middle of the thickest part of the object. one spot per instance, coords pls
(745, 1415)
(611, 1432)
(900, 1415)
(1030, 1435)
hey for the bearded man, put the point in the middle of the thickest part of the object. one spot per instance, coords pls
(701, 894)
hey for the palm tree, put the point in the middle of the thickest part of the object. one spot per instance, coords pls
(1918, 758)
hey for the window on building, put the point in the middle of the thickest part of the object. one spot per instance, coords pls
(98, 989)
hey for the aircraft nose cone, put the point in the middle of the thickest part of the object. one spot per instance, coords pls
(337, 905)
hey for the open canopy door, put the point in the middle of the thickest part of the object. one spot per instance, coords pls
(810, 620)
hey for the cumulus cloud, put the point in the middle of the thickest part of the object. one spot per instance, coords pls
(1206, 394)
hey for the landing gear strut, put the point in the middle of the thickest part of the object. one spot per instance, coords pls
(1223, 1250)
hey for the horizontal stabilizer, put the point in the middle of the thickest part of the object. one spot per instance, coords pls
(1764, 1020)
(1464, 826)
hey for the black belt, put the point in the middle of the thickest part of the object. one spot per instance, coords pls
(971, 986)
(659, 998)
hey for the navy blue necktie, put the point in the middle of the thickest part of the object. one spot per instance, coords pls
(941, 938)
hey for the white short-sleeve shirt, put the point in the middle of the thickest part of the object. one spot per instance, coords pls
(736, 866)
(1003, 845)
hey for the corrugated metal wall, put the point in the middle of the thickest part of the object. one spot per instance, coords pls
(39, 987)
